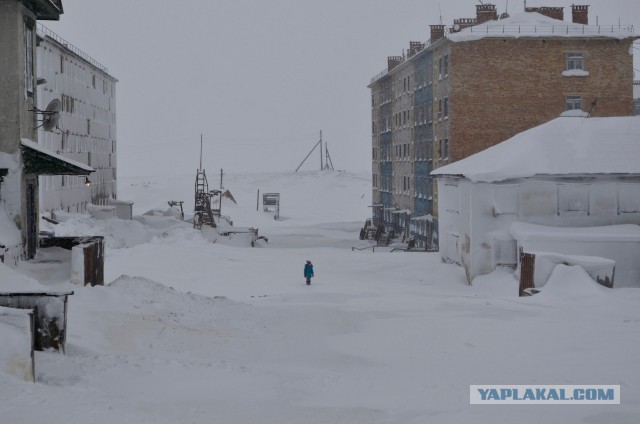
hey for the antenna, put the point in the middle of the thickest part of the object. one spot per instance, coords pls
(50, 116)
(440, 10)
(200, 152)
(321, 166)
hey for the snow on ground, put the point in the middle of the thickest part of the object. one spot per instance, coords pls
(189, 331)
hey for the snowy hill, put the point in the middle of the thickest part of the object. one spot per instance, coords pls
(189, 331)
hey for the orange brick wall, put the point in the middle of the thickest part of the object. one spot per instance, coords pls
(501, 87)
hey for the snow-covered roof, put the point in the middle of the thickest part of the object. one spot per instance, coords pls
(533, 24)
(563, 146)
(624, 232)
(38, 148)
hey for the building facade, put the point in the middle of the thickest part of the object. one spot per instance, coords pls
(87, 129)
(477, 83)
(577, 201)
(22, 160)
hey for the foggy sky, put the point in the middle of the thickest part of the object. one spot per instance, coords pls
(259, 79)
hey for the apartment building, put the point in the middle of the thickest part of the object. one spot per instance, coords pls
(86, 131)
(477, 83)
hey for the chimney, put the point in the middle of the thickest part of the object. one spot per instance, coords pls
(414, 47)
(462, 23)
(486, 12)
(580, 14)
(393, 61)
(437, 32)
(549, 12)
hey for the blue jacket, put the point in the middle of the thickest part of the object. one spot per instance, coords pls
(308, 270)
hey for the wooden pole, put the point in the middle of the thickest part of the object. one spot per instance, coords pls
(321, 166)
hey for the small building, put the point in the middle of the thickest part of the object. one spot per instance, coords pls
(569, 172)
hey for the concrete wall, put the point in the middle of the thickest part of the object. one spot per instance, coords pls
(15, 119)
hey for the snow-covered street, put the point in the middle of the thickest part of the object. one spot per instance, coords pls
(189, 331)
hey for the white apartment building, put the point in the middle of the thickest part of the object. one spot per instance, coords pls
(86, 132)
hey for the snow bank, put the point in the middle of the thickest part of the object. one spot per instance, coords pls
(571, 283)
(118, 233)
(14, 281)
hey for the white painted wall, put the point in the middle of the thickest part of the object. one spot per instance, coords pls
(88, 94)
(480, 214)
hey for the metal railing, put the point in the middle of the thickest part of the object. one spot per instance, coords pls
(567, 29)
(46, 32)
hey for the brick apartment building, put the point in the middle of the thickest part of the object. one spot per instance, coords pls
(478, 83)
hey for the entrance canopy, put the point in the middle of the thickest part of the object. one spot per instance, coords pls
(40, 161)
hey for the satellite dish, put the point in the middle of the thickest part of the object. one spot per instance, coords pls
(51, 115)
(456, 27)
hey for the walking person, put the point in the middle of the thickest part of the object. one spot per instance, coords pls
(308, 272)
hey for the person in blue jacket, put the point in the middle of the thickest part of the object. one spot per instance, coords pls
(308, 272)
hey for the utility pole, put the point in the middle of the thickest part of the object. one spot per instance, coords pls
(319, 143)
(321, 166)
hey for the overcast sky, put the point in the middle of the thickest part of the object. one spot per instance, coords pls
(259, 79)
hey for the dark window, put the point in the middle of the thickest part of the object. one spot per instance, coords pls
(575, 61)
(573, 103)
(28, 57)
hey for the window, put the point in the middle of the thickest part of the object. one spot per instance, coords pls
(440, 68)
(28, 58)
(628, 198)
(451, 198)
(505, 200)
(440, 149)
(439, 109)
(575, 61)
(446, 107)
(446, 148)
(573, 102)
(573, 199)
(446, 65)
